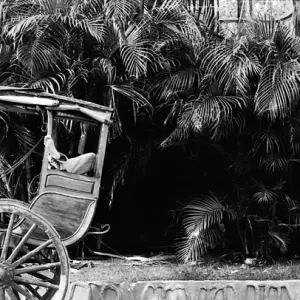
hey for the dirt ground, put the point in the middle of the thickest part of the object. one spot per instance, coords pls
(114, 270)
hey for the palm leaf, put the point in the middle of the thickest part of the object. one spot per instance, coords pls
(170, 85)
(263, 194)
(135, 52)
(278, 240)
(203, 12)
(37, 56)
(120, 10)
(293, 133)
(103, 67)
(192, 248)
(278, 89)
(269, 140)
(179, 135)
(4, 119)
(202, 213)
(273, 163)
(92, 26)
(209, 111)
(53, 84)
(232, 63)
(263, 28)
(201, 223)
(137, 95)
(205, 112)
(169, 14)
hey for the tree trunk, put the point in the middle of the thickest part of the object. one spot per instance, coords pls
(28, 177)
(142, 6)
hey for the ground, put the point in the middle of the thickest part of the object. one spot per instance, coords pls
(116, 270)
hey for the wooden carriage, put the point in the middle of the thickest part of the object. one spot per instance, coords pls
(60, 214)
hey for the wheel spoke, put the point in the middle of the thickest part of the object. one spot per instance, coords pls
(33, 272)
(7, 237)
(31, 253)
(36, 268)
(33, 291)
(36, 282)
(40, 260)
(21, 244)
(22, 291)
(14, 295)
(2, 294)
(40, 276)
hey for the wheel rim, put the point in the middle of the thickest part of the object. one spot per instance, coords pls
(26, 272)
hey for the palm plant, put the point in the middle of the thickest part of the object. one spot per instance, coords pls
(166, 59)
(18, 156)
(203, 226)
(249, 88)
(90, 48)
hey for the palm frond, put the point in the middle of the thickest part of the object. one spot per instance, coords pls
(291, 203)
(135, 52)
(263, 28)
(270, 141)
(119, 176)
(77, 73)
(278, 89)
(4, 119)
(278, 240)
(192, 248)
(232, 63)
(202, 213)
(135, 94)
(206, 112)
(273, 163)
(37, 57)
(168, 14)
(263, 194)
(170, 85)
(202, 219)
(178, 136)
(120, 10)
(94, 27)
(103, 68)
(53, 84)
(293, 133)
(202, 26)
(209, 111)
(203, 12)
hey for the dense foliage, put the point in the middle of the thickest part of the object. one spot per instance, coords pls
(174, 81)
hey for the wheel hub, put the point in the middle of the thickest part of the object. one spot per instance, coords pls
(6, 273)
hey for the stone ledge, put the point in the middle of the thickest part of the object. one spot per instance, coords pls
(187, 290)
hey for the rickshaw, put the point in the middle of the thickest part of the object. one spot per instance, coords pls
(61, 213)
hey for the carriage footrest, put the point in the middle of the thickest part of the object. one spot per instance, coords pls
(104, 228)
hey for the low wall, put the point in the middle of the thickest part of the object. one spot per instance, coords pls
(188, 290)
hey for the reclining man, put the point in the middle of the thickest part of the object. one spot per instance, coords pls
(82, 164)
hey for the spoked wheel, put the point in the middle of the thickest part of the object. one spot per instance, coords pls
(26, 271)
